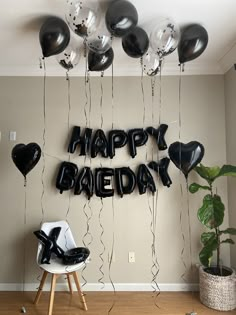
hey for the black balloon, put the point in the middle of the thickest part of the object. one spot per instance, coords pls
(85, 182)
(135, 43)
(54, 36)
(117, 139)
(66, 176)
(49, 244)
(26, 157)
(128, 187)
(77, 139)
(100, 62)
(186, 156)
(159, 135)
(121, 16)
(145, 180)
(136, 138)
(162, 169)
(75, 255)
(99, 144)
(101, 181)
(193, 42)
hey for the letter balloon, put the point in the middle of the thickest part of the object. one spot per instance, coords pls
(117, 139)
(145, 180)
(49, 244)
(102, 180)
(136, 138)
(99, 144)
(159, 135)
(85, 182)
(66, 176)
(128, 187)
(77, 138)
(162, 169)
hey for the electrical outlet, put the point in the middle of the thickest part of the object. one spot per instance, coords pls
(131, 257)
(113, 257)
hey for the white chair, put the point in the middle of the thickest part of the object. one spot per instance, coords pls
(56, 268)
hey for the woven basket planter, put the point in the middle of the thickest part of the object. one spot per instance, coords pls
(218, 292)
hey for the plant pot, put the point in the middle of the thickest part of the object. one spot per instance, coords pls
(218, 292)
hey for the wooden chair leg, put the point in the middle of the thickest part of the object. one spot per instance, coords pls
(40, 289)
(52, 293)
(69, 284)
(79, 290)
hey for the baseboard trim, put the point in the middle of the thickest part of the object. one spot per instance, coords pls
(98, 287)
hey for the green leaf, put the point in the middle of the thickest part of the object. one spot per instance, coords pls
(207, 237)
(227, 170)
(211, 214)
(231, 231)
(228, 240)
(208, 173)
(206, 253)
(194, 187)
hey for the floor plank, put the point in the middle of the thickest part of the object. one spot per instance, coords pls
(99, 303)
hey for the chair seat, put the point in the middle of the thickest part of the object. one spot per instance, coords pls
(57, 267)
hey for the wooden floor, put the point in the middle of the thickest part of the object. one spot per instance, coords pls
(99, 303)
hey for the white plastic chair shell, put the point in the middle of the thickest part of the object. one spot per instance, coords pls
(66, 242)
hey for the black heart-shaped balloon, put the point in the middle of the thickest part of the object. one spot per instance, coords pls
(186, 156)
(26, 157)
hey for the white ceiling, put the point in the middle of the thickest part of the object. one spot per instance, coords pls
(20, 22)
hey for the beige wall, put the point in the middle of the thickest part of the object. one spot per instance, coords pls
(203, 119)
(230, 96)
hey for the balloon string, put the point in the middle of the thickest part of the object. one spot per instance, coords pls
(101, 268)
(180, 176)
(190, 244)
(44, 139)
(101, 101)
(153, 210)
(142, 89)
(143, 98)
(90, 100)
(111, 257)
(112, 96)
(85, 89)
(153, 83)
(155, 266)
(84, 243)
(23, 309)
(180, 85)
(87, 119)
(101, 279)
(68, 127)
(182, 232)
(90, 215)
(160, 94)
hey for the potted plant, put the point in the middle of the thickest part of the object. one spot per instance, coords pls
(217, 283)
